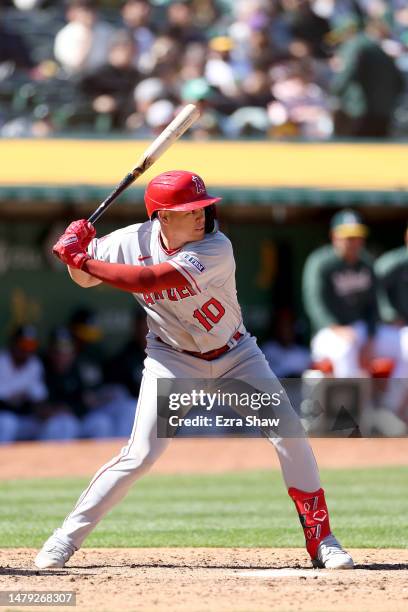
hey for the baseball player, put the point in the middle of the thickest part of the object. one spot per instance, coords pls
(392, 274)
(339, 296)
(181, 269)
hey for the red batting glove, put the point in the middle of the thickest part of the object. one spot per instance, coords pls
(84, 230)
(69, 250)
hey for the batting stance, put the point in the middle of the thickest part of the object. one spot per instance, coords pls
(182, 271)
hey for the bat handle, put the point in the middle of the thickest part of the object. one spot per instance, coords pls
(124, 184)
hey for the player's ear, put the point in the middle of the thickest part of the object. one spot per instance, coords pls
(163, 217)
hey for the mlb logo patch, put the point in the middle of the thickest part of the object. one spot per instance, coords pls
(194, 262)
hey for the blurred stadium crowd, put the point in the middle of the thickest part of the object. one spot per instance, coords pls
(67, 389)
(358, 310)
(279, 68)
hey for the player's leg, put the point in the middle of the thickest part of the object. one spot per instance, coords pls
(392, 341)
(344, 353)
(403, 408)
(389, 343)
(299, 468)
(247, 363)
(111, 483)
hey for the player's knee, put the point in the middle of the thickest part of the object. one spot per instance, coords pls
(140, 460)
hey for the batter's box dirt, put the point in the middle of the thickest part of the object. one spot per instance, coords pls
(215, 580)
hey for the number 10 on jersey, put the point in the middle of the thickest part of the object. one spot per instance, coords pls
(209, 313)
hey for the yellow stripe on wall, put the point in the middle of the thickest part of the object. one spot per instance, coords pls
(234, 164)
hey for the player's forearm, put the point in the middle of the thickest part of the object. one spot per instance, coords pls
(136, 279)
(83, 279)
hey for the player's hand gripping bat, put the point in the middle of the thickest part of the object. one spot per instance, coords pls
(169, 135)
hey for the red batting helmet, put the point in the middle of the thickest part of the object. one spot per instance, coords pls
(177, 190)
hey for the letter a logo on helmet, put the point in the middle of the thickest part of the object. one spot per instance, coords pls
(199, 184)
(177, 190)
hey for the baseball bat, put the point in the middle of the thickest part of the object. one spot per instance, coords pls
(180, 124)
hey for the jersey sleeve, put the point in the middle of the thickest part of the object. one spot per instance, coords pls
(386, 268)
(105, 248)
(116, 246)
(314, 289)
(206, 264)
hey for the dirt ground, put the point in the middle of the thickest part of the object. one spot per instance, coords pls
(208, 580)
(215, 580)
(187, 456)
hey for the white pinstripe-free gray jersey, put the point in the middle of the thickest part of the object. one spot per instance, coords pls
(203, 315)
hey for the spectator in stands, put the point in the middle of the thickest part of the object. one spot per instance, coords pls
(247, 121)
(180, 23)
(368, 84)
(125, 368)
(165, 57)
(13, 50)
(109, 409)
(211, 103)
(146, 93)
(82, 46)
(250, 17)
(87, 334)
(39, 125)
(306, 27)
(256, 89)
(208, 12)
(251, 117)
(219, 71)
(29, 5)
(111, 86)
(261, 52)
(22, 386)
(159, 115)
(231, 45)
(61, 412)
(339, 296)
(284, 354)
(193, 61)
(136, 16)
(300, 107)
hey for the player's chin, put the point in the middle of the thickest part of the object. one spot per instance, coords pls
(199, 233)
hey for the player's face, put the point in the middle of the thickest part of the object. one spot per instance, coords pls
(182, 227)
(348, 248)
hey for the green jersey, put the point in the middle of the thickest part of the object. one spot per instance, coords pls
(338, 293)
(392, 273)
